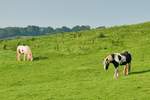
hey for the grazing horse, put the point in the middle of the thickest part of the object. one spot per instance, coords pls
(119, 59)
(26, 51)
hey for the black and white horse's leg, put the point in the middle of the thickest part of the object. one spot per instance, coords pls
(126, 69)
(116, 74)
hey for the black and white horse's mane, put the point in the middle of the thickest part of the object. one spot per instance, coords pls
(118, 59)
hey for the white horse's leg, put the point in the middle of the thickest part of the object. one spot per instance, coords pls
(30, 58)
(116, 74)
(18, 57)
(24, 57)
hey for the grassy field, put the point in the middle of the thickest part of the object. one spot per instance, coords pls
(68, 66)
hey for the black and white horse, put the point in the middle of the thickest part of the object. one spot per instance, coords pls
(119, 59)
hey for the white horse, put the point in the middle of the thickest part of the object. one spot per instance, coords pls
(25, 51)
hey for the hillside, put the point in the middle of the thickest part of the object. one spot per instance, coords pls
(68, 66)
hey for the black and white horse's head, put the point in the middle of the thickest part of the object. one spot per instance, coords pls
(107, 61)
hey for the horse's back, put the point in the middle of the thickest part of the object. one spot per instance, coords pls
(23, 49)
(127, 55)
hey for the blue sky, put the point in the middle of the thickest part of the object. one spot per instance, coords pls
(57, 13)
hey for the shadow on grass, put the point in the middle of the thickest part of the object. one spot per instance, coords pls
(40, 58)
(140, 72)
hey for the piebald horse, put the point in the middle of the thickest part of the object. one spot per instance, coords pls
(25, 51)
(119, 59)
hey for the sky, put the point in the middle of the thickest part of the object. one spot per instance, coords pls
(58, 13)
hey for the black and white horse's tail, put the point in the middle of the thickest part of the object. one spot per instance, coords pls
(128, 59)
(129, 67)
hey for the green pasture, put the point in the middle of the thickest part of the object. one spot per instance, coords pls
(68, 66)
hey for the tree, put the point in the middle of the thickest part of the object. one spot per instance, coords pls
(66, 29)
(12, 31)
(47, 30)
(76, 28)
(33, 30)
(62, 29)
(3, 33)
(80, 28)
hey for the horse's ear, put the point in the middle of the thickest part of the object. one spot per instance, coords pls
(107, 59)
(112, 55)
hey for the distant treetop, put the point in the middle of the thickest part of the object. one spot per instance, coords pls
(32, 30)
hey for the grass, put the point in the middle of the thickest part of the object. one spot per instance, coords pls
(68, 66)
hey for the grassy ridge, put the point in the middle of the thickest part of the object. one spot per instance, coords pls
(69, 66)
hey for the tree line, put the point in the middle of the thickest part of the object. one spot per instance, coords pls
(32, 30)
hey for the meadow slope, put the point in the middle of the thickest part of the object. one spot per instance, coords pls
(68, 66)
